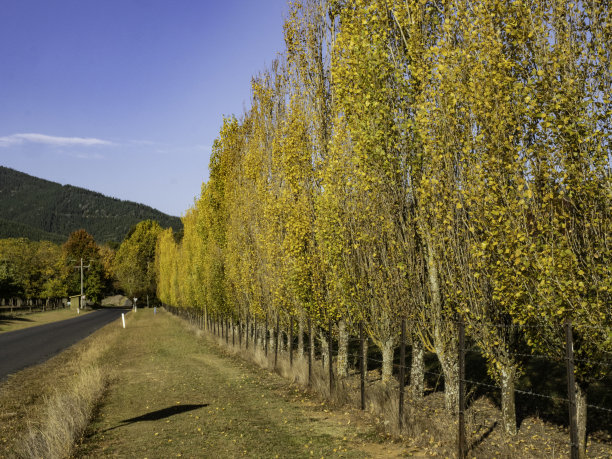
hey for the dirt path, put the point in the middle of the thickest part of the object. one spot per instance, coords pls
(176, 395)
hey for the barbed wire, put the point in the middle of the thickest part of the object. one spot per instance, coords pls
(352, 355)
(606, 363)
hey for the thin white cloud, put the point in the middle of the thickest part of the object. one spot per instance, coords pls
(18, 139)
(143, 142)
(81, 155)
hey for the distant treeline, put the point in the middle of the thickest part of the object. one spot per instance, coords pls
(32, 271)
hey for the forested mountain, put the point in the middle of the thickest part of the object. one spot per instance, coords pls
(43, 210)
(11, 229)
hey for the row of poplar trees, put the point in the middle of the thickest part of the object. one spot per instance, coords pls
(418, 160)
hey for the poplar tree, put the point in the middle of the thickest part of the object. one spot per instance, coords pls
(309, 34)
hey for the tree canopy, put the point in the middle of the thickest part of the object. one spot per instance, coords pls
(425, 161)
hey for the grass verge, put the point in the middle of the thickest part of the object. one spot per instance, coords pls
(17, 322)
(174, 393)
(427, 426)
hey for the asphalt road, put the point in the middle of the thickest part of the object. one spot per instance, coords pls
(21, 348)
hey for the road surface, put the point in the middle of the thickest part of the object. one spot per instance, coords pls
(21, 348)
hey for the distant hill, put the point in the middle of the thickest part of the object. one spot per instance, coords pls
(42, 210)
(15, 229)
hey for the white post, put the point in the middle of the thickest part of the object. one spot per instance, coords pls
(82, 297)
(123, 319)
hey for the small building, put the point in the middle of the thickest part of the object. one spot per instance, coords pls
(75, 302)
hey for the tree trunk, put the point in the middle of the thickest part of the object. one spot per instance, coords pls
(417, 369)
(444, 337)
(246, 334)
(387, 356)
(343, 341)
(271, 340)
(581, 417)
(507, 378)
(311, 341)
(450, 369)
(324, 349)
(265, 337)
(260, 337)
(300, 349)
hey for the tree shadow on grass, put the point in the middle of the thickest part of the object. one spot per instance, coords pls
(159, 414)
(7, 319)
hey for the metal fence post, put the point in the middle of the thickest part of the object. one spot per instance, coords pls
(362, 365)
(462, 451)
(571, 390)
(402, 374)
(277, 341)
(266, 337)
(330, 350)
(291, 342)
(310, 351)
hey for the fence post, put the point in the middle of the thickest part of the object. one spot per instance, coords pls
(277, 340)
(462, 447)
(310, 351)
(362, 365)
(291, 342)
(331, 366)
(571, 390)
(266, 336)
(402, 374)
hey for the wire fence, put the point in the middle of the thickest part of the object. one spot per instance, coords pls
(272, 338)
(9, 306)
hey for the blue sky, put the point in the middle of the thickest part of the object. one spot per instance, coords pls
(125, 97)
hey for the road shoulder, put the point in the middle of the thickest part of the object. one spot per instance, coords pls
(174, 394)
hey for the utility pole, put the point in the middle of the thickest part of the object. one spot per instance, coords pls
(81, 266)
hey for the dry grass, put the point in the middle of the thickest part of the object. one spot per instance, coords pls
(49, 405)
(67, 414)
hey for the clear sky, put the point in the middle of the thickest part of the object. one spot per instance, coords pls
(125, 97)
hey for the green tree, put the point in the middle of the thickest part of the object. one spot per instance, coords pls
(134, 263)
